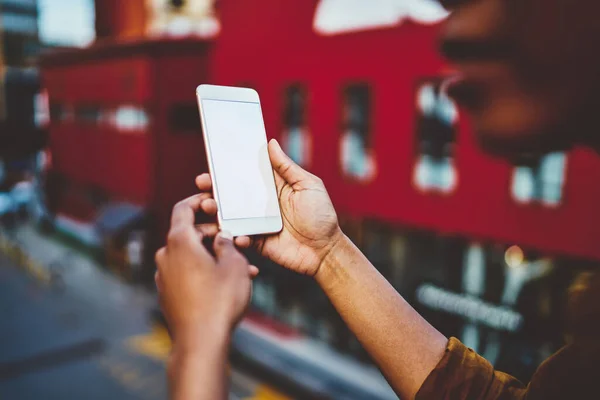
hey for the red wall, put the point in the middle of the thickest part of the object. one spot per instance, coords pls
(154, 167)
(98, 155)
(273, 45)
(178, 156)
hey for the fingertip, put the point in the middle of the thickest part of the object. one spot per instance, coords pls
(274, 144)
(253, 270)
(203, 181)
(209, 206)
(226, 235)
(223, 240)
(243, 242)
(207, 230)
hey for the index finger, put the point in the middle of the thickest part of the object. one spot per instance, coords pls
(184, 212)
(204, 182)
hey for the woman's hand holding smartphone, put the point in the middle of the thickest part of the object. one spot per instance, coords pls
(310, 224)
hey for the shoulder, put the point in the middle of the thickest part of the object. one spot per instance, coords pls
(571, 373)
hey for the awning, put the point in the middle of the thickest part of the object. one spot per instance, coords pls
(118, 216)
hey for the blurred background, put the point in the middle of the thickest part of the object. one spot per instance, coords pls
(100, 136)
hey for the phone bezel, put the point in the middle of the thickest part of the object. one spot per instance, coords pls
(237, 227)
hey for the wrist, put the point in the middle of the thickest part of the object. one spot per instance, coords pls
(196, 356)
(330, 263)
(197, 340)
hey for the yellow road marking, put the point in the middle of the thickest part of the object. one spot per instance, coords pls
(128, 374)
(266, 393)
(156, 344)
(22, 259)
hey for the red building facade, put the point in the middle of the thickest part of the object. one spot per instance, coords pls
(364, 110)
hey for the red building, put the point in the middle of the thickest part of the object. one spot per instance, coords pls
(358, 101)
(123, 134)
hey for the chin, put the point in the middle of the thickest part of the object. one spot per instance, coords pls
(516, 134)
(515, 145)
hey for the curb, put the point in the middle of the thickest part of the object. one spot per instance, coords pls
(23, 260)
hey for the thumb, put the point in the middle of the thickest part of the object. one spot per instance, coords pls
(224, 248)
(283, 165)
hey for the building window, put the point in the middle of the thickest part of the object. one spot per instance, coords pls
(41, 107)
(540, 180)
(177, 18)
(296, 136)
(436, 126)
(60, 112)
(130, 119)
(185, 118)
(88, 114)
(357, 156)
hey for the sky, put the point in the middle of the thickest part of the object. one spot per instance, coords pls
(66, 22)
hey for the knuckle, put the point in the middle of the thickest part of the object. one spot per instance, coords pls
(224, 243)
(176, 237)
(159, 256)
(319, 181)
(238, 257)
(179, 205)
(230, 254)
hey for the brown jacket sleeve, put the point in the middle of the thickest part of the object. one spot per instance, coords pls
(464, 375)
(572, 373)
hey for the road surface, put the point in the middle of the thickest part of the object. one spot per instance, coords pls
(86, 339)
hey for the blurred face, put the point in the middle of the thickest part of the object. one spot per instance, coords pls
(529, 72)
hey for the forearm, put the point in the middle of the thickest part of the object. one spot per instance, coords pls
(404, 345)
(198, 367)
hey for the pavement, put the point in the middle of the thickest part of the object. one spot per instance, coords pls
(75, 331)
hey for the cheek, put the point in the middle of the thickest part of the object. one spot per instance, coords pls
(556, 39)
(550, 99)
(513, 122)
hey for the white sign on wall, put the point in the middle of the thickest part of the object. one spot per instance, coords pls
(342, 16)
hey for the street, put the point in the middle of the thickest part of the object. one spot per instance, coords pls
(88, 337)
(71, 328)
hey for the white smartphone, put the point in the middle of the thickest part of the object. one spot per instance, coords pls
(238, 159)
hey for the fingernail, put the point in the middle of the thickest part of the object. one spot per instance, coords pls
(226, 235)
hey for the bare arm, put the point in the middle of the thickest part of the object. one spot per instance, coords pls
(405, 346)
(203, 297)
(198, 370)
(401, 342)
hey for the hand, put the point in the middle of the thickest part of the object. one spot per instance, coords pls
(310, 224)
(199, 292)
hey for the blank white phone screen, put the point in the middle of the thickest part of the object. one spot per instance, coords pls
(242, 170)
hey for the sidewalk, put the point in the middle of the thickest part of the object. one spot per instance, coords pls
(63, 268)
(310, 364)
(302, 361)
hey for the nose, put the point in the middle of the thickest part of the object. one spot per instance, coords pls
(453, 4)
(479, 20)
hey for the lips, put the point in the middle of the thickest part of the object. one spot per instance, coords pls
(465, 92)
